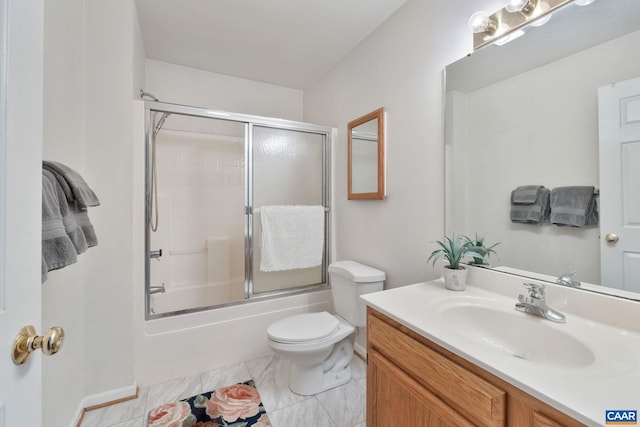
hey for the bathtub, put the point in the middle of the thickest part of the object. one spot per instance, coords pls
(183, 345)
(196, 295)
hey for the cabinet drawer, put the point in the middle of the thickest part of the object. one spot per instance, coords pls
(540, 420)
(478, 400)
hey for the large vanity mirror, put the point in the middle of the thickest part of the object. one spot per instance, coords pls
(366, 157)
(526, 113)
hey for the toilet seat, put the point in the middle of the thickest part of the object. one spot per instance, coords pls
(303, 328)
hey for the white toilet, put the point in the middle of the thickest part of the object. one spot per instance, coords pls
(320, 345)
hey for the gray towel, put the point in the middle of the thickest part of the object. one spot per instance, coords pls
(71, 226)
(57, 249)
(74, 186)
(526, 194)
(575, 206)
(82, 218)
(531, 213)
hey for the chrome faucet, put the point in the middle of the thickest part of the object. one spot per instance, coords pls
(534, 303)
(567, 279)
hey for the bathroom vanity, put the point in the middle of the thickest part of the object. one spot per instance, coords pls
(438, 357)
(413, 381)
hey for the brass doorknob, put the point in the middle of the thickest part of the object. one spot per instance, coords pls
(611, 238)
(27, 341)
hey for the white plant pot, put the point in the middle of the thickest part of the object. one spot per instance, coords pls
(455, 280)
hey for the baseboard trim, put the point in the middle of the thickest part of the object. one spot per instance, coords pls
(360, 351)
(102, 400)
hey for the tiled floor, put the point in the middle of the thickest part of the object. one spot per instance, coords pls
(339, 407)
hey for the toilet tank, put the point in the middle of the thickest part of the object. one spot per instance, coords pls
(349, 280)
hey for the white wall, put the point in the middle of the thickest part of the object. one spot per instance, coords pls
(109, 90)
(189, 86)
(64, 291)
(139, 56)
(90, 79)
(398, 67)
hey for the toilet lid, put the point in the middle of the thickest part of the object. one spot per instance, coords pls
(303, 327)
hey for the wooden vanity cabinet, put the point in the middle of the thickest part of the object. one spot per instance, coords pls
(414, 382)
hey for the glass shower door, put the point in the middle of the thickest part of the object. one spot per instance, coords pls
(288, 170)
(208, 174)
(200, 179)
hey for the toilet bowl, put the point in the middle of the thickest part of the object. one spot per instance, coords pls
(320, 345)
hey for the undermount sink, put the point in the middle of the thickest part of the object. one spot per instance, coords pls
(521, 335)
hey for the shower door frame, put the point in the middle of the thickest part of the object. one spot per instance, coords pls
(249, 121)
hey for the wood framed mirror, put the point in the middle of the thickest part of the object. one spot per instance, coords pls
(366, 153)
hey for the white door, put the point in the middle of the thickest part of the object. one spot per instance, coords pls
(20, 212)
(619, 122)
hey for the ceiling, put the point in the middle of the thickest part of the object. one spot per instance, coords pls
(291, 43)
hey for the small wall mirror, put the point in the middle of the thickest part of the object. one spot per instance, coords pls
(366, 157)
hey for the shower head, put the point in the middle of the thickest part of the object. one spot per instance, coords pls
(158, 126)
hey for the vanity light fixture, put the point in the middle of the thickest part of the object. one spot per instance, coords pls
(513, 18)
(517, 14)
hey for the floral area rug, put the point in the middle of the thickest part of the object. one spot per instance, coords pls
(237, 405)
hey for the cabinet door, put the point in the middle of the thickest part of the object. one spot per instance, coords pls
(476, 399)
(395, 399)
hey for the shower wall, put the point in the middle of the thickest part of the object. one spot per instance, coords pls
(201, 189)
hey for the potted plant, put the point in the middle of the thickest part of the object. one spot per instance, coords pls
(482, 249)
(454, 249)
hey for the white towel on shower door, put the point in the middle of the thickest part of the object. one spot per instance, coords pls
(292, 237)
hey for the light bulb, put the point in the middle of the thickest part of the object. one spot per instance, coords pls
(481, 22)
(515, 5)
(522, 6)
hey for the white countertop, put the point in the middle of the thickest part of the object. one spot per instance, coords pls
(609, 327)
